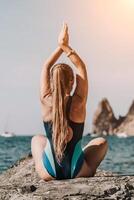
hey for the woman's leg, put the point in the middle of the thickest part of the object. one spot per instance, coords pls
(95, 152)
(38, 144)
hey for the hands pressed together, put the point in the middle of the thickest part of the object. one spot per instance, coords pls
(63, 38)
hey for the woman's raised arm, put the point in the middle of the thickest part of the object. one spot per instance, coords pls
(45, 88)
(81, 91)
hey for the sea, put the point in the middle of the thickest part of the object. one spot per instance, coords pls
(119, 158)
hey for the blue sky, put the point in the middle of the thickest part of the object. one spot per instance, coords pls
(102, 32)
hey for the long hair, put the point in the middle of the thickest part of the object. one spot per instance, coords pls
(61, 75)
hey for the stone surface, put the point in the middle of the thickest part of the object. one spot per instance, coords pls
(105, 123)
(21, 182)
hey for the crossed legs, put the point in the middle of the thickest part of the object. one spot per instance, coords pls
(94, 151)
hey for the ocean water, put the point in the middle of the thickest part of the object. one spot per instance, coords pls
(119, 158)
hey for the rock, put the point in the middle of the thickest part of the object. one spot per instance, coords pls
(131, 109)
(127, 126)
(21, 182)
(105, 122)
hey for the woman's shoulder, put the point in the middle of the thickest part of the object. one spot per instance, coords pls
(77, 112)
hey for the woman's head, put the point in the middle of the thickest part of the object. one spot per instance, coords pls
(62, 74)
(62, 80)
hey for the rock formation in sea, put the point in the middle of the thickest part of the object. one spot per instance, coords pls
(105, 122)
(21, 182)
(127, 126)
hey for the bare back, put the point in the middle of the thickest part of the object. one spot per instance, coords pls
(78, 105)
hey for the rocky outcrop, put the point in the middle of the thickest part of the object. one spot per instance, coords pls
(105, 122)
(131, 109)
(127, 126)
(21, 182)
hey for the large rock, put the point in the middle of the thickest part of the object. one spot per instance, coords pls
(104, 120)
(131, 109)
(127, 126)
(22, 183)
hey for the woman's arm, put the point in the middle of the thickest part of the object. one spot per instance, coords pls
(81, 77)
(45, 88)
(81, 91)
(76, 60)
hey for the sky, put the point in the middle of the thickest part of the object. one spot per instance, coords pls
(102, 33)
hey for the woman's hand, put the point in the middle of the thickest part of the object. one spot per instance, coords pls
(63, 38)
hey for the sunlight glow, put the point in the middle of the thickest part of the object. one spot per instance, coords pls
(128, 2)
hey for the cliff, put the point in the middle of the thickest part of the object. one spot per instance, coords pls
(21, 182)
(127, 126)
(105, 122)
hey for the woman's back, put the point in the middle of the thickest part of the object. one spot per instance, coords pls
(73, 155)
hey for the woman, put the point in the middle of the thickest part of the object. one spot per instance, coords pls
(58, 154)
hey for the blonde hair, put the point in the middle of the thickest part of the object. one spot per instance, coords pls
(61, 75)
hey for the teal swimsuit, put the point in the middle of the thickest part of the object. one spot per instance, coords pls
(74, 155)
